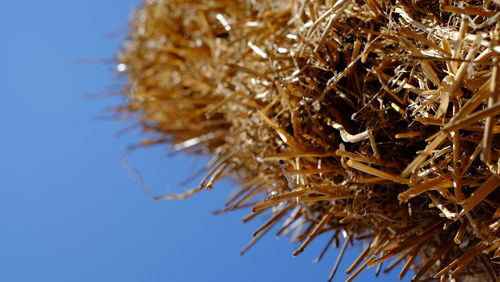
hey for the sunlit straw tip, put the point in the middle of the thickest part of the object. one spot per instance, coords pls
(409, 134)
(257, 50)
(223, 21)
(376, 172)
(121, 67)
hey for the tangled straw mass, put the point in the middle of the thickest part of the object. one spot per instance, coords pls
(373, 122)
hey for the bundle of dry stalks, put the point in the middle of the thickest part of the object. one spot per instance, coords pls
(370, 121)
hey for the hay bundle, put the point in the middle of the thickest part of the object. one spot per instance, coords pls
(371, 121)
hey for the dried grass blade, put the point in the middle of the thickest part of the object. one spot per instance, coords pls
(339, 258)
(481, 193)
(272, 221)
(437, 183)
(376, 172)
(463, 260)
(316, 231)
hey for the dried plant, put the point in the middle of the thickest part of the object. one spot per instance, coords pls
(373, 121)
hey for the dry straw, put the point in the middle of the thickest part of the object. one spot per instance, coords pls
(373, 122)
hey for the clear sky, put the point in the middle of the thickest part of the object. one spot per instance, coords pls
(68, 209)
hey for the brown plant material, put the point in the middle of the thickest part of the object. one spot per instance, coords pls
(378, 120)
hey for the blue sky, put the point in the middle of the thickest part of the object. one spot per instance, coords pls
(68, 209)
